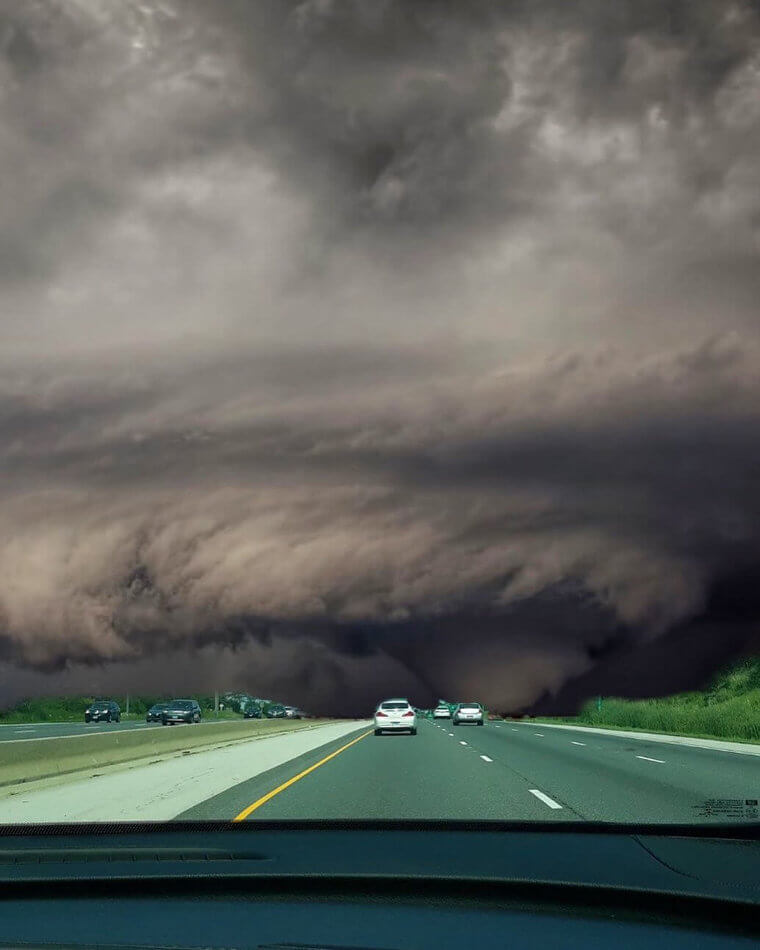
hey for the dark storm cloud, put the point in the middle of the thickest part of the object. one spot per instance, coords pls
(336, 332)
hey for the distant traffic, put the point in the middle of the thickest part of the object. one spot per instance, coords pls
(187, 710)
(398, 715)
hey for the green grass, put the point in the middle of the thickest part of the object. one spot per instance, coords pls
(729, 708)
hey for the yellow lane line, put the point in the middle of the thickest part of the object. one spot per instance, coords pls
(296, 778)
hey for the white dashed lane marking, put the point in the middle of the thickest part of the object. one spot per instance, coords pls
(577, 743)
(544, 798)
(486, 759)
(647, 759)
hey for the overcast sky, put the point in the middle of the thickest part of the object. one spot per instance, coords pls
(365, 346)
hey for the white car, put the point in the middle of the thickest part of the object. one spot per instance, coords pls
(441, 712)
(395, 715)
(468, 712)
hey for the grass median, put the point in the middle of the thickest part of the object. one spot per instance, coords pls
(32, 759)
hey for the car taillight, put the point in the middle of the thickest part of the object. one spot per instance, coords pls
(410, 713)
(381, 713)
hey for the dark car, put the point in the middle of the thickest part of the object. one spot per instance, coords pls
(103, 710)
(181, 710)
(155, 713)
(252, 711)
(276, 711)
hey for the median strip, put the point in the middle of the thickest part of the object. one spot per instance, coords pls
(25, 760)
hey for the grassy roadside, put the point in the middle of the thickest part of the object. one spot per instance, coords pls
(729, 708)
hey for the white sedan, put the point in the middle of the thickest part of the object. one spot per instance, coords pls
(469, 712)
(395, 715)
(441, 712)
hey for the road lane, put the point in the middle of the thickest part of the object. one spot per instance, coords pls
(611, 778)
(427, 776)
(57, 730)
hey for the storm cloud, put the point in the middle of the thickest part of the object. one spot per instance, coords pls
(352, 344)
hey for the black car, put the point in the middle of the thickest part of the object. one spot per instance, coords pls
(276, 711)
(252, 711)
(103, 710)
(181, 710)
(155, 713)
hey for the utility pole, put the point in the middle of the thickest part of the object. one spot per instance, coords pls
(216, 703)
(127, 704)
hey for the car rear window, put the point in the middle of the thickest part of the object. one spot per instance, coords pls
(470, 707)
(397, 705)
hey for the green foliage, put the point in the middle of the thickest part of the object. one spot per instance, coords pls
(729, 708)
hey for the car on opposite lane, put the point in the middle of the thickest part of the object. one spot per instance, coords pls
(468, 712)
(181, 710)
(156, 711)
(395, 715)
(441, 712)
(252, 711)
(276, 711)
(103, 710)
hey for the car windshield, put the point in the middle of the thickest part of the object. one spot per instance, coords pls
(359, 352)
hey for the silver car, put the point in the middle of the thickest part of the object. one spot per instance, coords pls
(395, 715)
(468, 712)
(441, 712)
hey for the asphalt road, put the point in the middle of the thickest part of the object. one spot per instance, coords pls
(49, 730)
(505, 771)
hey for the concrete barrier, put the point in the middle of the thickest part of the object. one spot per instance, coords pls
(44, 758)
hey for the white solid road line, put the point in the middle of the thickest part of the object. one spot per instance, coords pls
(486, 759)
(577, 743)
(462, 742)
(647, 759)
(544, 798)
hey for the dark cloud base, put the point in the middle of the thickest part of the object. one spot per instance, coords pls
(373, 346)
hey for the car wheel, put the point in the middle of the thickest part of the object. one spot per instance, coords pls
(378, 732)
(108, 717)
(480, 723)
(413, 732)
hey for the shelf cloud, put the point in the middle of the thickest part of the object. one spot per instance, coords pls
(355, 344)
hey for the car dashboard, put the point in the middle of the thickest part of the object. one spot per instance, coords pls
(377, 886)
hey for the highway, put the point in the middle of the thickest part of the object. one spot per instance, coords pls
(53, 730)
(514, 771)
(504, 771)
